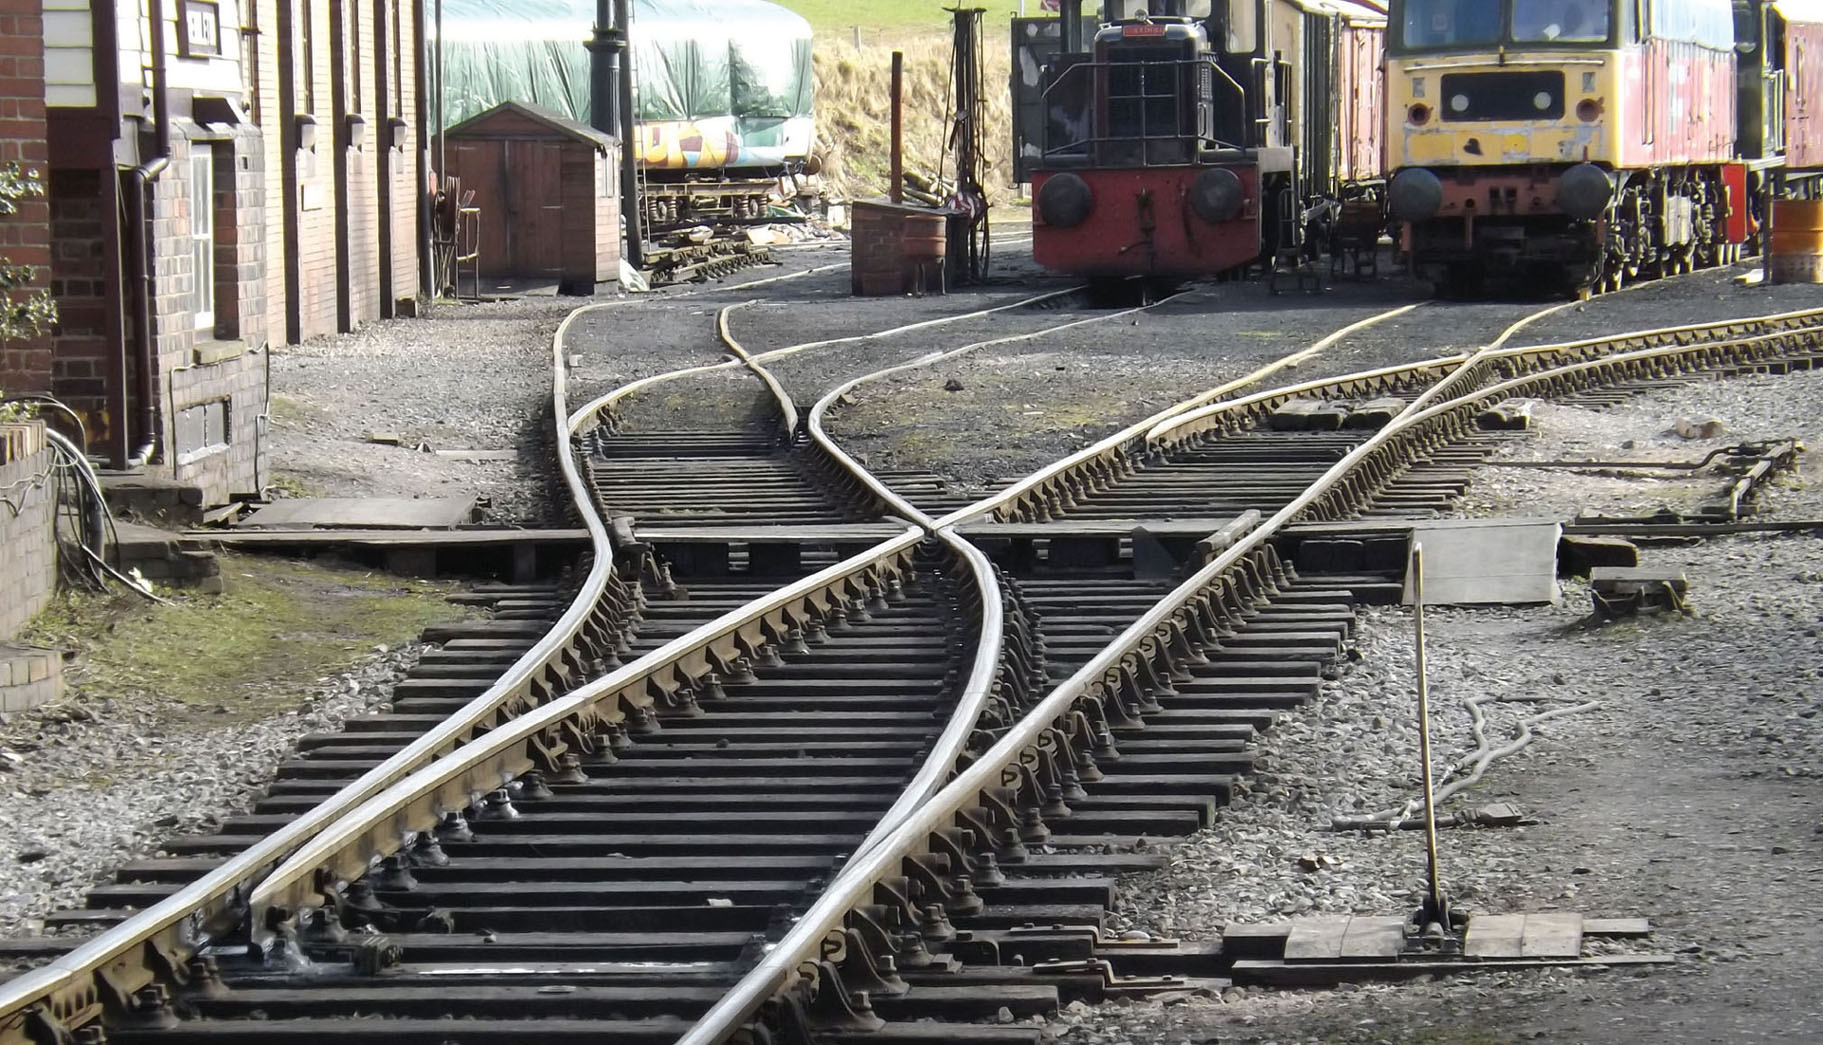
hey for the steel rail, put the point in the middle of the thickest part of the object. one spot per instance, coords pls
(1002, 503)
(109, 970)
(973, 797)
(387, 821)
(1465, 367)
(815, 931)
(770, 354)
(106, 973)
(390, 820)
(951, 745)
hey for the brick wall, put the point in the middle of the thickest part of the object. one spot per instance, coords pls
(235, 384)
(25, 364)
(337, 180)
(83, 346)
(225, 363)
(877, 238)
(28, 551)
(242, 272)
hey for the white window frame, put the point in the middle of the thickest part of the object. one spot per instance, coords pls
(202, 232)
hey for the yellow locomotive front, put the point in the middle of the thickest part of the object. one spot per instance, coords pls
(1518, 129)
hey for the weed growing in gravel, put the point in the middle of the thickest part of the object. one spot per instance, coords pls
(247, 652)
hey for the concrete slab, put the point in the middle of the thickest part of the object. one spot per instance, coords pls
(364, 513)
(1487, 565)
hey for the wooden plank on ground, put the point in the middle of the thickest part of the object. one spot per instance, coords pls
(1315, 939)
(1552, 934)
(1374, 938)
(1495, 936)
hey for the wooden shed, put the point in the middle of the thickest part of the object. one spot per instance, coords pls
(548, 191)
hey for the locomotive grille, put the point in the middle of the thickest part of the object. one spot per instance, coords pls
(1502, 96)
(1143, 91)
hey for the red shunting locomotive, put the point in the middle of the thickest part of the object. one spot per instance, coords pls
(1182, 143)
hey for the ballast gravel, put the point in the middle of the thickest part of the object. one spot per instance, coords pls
(1681, 785)
(477, 377)
(90, 787)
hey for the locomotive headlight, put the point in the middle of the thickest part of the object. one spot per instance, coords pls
(1414, 194)
(1459, 103)
(1588, 110)
(1065, 201)
(1217, 195)
(1419, 114)
(1584, 191)
(1541, 101)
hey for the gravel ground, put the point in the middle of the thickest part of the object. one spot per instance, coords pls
(1048, 397)
(91, 786)
(1691, 787)
(417, 379)
(477, 377)
(1751, 408)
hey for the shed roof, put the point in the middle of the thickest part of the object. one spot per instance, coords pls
(477, 126)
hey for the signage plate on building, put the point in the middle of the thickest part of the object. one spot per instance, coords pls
(199, 28)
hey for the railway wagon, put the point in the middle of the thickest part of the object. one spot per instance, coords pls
(1191, 139)
(1586, 143)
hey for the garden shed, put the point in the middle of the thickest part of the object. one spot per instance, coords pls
(547, 189)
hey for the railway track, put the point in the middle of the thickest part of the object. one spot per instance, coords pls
(974, 896)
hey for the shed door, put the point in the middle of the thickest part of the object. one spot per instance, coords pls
(534, 193)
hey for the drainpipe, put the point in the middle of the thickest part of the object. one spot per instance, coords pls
(141, 250)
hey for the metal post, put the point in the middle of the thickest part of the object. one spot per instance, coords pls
(629, 144)
(1436, 907)
(1070, 13)
(603, 71)
(442, 145)
(895, 190)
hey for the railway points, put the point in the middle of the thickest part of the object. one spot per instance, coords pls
(1079, 613)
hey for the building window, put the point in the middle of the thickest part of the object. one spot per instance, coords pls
(202, 233)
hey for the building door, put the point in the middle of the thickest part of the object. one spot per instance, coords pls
(535, 225)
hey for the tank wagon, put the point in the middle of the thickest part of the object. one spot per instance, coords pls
(1184, 139)
(1587, 143)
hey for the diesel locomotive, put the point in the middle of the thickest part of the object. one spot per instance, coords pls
(1188, 138)
(1593, 142)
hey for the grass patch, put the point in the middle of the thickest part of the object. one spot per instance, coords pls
(291, 486)
(255, 649)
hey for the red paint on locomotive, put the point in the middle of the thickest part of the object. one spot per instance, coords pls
(1141, 224)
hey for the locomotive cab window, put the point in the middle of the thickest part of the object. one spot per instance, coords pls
(1473, 25)
(1551, 21)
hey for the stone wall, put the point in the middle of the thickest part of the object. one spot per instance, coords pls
(28, 547)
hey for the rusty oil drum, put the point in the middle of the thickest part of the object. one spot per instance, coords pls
(1795, 252)
(926, 237)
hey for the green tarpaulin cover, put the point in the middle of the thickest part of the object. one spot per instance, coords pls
(718, 84)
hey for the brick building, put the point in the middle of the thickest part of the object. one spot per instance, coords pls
(25, 365)
(224, 175)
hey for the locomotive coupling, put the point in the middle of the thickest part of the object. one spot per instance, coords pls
(1065, 201)
(1584, 191)
(1414, 195)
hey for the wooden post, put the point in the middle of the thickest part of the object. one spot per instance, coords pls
(896, 188)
